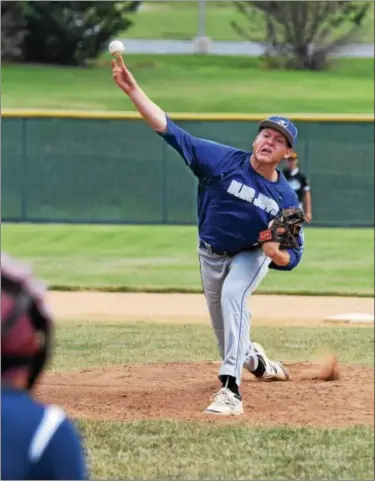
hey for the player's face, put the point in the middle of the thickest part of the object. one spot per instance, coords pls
(270, 147)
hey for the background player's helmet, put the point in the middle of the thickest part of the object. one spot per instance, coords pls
(26, 325)
(292, 156)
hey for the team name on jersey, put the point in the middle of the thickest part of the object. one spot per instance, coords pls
(249, 194)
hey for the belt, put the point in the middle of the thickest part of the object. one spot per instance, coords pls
(213, 250)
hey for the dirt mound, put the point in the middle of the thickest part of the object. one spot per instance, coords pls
(182, 390)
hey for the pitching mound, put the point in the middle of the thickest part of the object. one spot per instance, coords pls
(180, 391)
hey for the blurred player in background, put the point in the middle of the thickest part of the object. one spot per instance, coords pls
(37, 440)
(299, 183)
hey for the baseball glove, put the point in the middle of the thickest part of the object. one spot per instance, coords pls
(285, 228)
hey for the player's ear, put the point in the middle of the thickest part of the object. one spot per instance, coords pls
(288, 154)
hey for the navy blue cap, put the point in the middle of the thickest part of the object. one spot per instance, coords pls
(282, 125)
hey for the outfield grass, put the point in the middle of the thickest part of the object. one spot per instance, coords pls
(191, 451)
(186, 84)
(88, 344)
(164, 258)
(179, 20)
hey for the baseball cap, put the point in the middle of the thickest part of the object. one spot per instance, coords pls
(282, 125)
(292, 156)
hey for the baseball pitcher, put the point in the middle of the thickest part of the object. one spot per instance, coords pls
(37, 440)
(248, 222)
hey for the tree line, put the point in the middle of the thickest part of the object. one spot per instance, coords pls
(298, 34)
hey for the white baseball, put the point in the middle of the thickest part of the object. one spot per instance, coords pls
(115, 47)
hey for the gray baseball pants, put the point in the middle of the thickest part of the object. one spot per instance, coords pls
(227, 283)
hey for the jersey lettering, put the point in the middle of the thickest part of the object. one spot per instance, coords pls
(267, 204)
(235, 188)
(247, 193)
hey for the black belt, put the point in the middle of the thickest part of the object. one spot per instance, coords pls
(213, 250)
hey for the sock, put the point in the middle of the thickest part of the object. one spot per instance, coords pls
(261, 368)
(230, 383)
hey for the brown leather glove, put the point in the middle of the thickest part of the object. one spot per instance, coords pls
(285, 228)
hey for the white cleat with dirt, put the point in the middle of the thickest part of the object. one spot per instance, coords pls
(274, 370)
(225, 403)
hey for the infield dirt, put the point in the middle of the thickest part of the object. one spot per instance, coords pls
(180, 391)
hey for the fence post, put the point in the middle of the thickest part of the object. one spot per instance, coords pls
(164, 184)
(24, 174)
(306, 155)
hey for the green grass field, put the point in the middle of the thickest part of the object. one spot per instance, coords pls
(186, 84)
(88, 344)
(179, 20)
(164, 258)
(166, 449)
(191, 451)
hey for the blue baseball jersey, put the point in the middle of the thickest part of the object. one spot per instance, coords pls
(235, 203)
(37, 441)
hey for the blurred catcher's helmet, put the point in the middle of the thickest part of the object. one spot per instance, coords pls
(26, 324)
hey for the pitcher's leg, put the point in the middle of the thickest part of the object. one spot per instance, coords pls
(246, 272)
(213, 272)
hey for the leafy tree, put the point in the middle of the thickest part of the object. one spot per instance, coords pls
(69, 33)
(302, 34)
(13, 30)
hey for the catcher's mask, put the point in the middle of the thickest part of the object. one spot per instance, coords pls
(26, 327)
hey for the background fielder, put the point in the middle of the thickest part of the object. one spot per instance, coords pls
(299, 182)
(239, 194)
